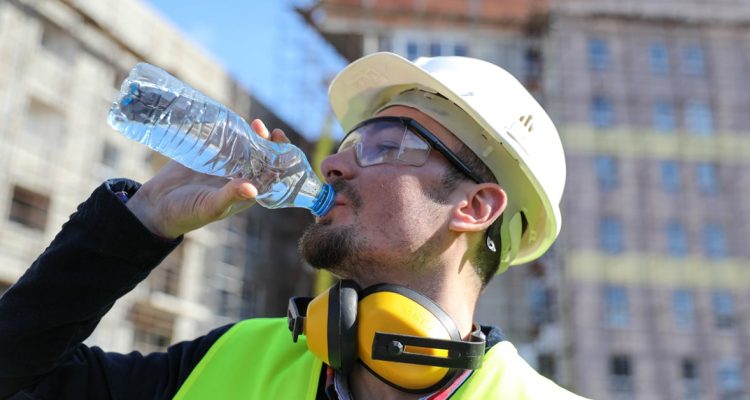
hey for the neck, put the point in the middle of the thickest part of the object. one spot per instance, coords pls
(364, 385)
(453, 286)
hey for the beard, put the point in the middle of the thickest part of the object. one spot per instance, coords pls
(332, 248)
(336, 249)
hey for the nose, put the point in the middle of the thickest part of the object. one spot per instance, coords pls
(339, 166)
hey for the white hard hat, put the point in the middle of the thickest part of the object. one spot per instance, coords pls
(514, 136)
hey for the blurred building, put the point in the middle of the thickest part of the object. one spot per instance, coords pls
(645, 295)
(62, 64)
(651, 99)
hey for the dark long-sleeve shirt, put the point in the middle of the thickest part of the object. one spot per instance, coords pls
(101, 253)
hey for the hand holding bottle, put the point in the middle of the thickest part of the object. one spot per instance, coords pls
(178, 200)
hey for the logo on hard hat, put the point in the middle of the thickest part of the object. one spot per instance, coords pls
(527, 121)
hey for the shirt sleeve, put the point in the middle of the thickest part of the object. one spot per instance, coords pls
(101, 253)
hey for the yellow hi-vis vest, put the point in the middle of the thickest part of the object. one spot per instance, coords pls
(256, 359)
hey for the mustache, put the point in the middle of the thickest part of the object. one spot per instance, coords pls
(345, 188)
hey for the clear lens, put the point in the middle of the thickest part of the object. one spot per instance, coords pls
(414, 150)
(386, 142)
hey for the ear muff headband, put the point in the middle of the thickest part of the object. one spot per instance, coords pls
(342, 326)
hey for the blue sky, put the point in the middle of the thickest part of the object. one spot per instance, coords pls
(266, 47)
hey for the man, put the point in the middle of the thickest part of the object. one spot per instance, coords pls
(450, 173)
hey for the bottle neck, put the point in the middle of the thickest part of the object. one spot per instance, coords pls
(324, 201)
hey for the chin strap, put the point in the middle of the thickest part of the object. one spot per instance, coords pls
(510, 238)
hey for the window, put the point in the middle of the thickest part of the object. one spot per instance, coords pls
(693, 62)
(699, 118)
(226, 303)
(606, 173)
(610, 235)
(598, 54)
(541, 302)
(152, 328)
(460, 49)
(690, 379)
(659, 58)
(677, 244)
(435, 49)
(384, 43)
(683, 308)
(546, 365)
(29, 208)
(110, 155)
(714, 241)
(706, 178)
(602, 113)
(616, 309)
(45, 124)
(664, 117)
(59, 42)
(412, 50)
(670, 176)
(724, 313)
(166, 278)
(532, 61)
(621, 377)
(416, 48)
(729, 374)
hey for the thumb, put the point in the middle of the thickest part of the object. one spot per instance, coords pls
(225, 200)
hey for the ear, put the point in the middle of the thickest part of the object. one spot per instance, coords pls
(483, 204)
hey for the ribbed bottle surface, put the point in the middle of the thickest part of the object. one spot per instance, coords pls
(158, 110)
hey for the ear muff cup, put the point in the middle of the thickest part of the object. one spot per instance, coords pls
(331, 326)
(399, 310)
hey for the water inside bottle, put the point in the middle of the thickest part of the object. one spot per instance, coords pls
(203, 135)
(193, 131)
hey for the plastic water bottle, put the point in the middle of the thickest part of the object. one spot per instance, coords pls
(160, 111)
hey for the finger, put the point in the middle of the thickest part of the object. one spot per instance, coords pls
(260, 128)
(279, 136)
(239, 207)
(224, 202)
(247, 191)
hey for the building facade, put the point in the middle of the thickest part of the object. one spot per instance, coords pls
(645, 294)
(63, 62)
(650, 99)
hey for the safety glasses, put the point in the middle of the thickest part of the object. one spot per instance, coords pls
(401, 140)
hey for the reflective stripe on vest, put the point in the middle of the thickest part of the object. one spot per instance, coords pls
(256, 359)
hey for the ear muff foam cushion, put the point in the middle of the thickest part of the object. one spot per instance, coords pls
(342, 326)
(399, 310)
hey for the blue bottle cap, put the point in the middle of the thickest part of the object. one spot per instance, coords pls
(324, 202)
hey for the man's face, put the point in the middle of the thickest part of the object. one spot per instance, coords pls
(386, 215)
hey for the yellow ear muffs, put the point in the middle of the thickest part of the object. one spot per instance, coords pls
(399, 335)
(409, 342)
(329, 322)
